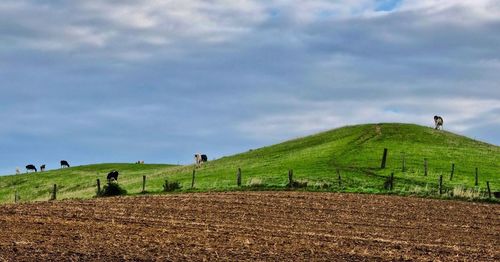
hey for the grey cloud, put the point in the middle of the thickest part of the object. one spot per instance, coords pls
(117, 80)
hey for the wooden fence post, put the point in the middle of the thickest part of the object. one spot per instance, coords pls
(477, 180)
(489, 190)
(392, 181)
(440, 184)
(403, 164)
(192, 181)
(238, 178)
(425, 166)
(54, 193)
(340, 178)
(98, 186)
(16, 197)
(452, 170)
(384, 158)
(290, 178)
(143, 184)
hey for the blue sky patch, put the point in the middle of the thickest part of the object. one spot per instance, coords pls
(387, 5)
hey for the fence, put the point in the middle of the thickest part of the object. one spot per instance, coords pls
(411, 171)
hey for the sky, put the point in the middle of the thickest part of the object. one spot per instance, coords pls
(124, 80)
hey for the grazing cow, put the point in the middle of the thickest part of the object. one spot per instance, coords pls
(42, 168)
(438, 121)
(30, 167)
(140, 162)
(200, 158)
(113, 175)
(18, 171)
(64, 163)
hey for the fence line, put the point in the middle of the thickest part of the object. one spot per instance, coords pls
(407, 162)
(388, 185)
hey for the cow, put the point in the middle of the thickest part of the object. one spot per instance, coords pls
(200, 158)
(438, 121)
(18, 171)
(30, 167)
(42, 168)
(64, 163)
(140, 162)
(113, 175)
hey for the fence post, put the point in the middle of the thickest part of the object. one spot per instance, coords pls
(440, 184)
(384, 158)
(425, 166)
(477, 180)
(192, 181)
(489, 190)
(16, 197)
(340, 179)
(54, 193)
(452, 170)
(143, 184)
(392, 181)
(403, 166)
(290, 178)
(238, 178)
(98, 187)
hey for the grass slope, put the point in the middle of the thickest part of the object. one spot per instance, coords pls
(355, 151)
(74, 182)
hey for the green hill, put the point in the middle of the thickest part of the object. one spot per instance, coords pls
(355, 151)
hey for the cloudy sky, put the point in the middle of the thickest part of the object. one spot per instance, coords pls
(121, 80)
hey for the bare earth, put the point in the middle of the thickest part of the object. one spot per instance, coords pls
(279, 226)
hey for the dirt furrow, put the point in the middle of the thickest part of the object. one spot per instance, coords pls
(271, 226)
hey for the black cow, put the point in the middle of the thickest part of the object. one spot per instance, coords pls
(204, 158)
(30, 167)
(113, 175)
(438, 121)
(64, 163)
(42, 168)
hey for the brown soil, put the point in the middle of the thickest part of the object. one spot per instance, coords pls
(278, 226)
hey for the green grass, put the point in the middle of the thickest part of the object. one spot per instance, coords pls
(74, 182)
(355, 151)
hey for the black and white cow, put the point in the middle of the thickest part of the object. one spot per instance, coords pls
(113, 175)
(30, 167)
(200, 158)
(438, 121)
(64, 163)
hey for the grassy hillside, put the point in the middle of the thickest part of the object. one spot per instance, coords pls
(355, 151)
(74, 182)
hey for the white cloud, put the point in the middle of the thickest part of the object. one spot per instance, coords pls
(303, 118)
(129, 25)
(154, 27)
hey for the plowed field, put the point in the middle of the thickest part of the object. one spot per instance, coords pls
(280, 226)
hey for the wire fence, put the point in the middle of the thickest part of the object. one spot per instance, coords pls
(456, 172)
